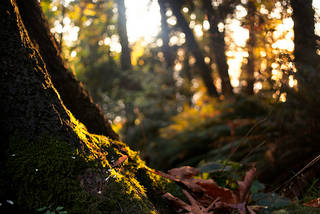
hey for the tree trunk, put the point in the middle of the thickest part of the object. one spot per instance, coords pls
(251, 44)
(218, 48)
(165, 32)
(204, 69)
(48, 159)
(74, 96)
(306, 58)
(125, 58)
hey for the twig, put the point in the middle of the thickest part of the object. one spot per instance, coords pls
(311, 163)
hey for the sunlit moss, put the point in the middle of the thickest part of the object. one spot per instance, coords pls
(83, 178)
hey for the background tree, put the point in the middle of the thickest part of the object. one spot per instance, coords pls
(251, 45)
(204, 69)
(218, 44)
(305, 56)
(122, 31)
(165, 35)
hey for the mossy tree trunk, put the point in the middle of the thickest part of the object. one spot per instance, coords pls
(48, 158)
(72, 92)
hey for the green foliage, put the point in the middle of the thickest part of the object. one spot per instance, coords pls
(47, 210)
(211, 132)
(271, 201)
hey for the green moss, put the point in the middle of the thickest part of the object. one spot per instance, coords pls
(53, 173)
(44, 173)
(83, 177)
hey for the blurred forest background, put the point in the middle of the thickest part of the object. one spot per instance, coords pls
(215, 84)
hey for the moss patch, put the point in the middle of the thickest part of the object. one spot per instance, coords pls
(44, 173)
(53, 173)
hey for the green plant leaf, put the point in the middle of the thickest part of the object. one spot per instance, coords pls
(59, 208)
(271, 200)
(256, 187)
(42, 209)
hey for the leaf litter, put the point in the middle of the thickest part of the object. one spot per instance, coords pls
(205, 195)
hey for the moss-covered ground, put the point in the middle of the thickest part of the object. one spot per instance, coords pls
(97, 175)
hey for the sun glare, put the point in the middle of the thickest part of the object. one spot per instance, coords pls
(141, 22)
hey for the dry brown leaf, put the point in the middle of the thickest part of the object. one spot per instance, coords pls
(192, 184)
(120, 160)
(314, 203)
(244, 186)
(177, 202)
(212, 189)
(241, 207)
(197, 207)
(183, 172)
(254, 208)
(206, 194)
(165, 175)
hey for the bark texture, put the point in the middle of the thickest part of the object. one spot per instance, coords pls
(125, 58)
(72, 93)
(304, 36)
(251, 44)
(204, 69)
(165, 35)
(218, 47)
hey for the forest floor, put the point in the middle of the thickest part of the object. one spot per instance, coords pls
(257, 154)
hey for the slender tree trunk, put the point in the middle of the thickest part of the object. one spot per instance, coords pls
(204, 69)
(251, 44)
(188, 78)
(165, 32)
(304, 36)
(74, 96)
(122, 31)
(63, 13)
(218, 47)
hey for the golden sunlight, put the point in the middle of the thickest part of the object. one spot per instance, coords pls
(141, 22)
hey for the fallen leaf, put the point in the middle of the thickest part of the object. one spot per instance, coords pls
(244, 186)
(120, 160)
(212, 189)
(314, 203)
(165, 175)
(206, 194)
(184, 172)
(241, 207)
(254, 208)
(177, 202)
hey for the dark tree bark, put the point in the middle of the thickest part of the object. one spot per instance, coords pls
(204, 69)
(304, 37)
(74, 96)
(125, 58)
(165, 32)
(47, 158)
(251, 44)
(218, 46)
